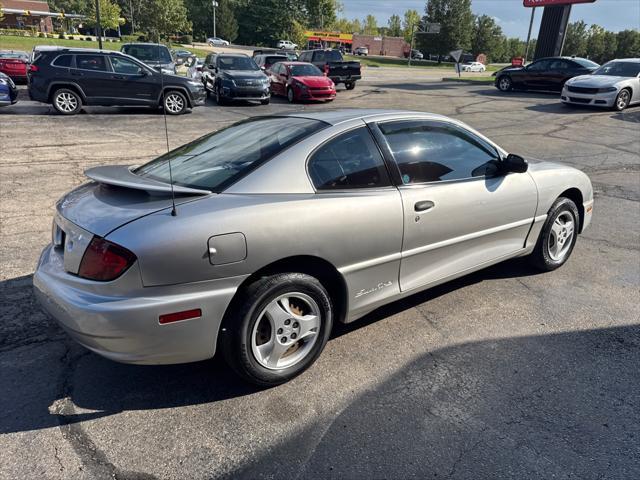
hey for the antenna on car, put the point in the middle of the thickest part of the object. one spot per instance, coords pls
(166, 135)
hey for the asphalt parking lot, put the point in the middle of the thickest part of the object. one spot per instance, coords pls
(507, 373)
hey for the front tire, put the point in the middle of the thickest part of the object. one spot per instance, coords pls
(220, 100)
(350, 85)
(290, 95)
(558, 236)
(277, 328)
(66, 101)
(505, 84)
(175, 103)
(622, 100)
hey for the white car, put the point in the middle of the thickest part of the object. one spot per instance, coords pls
(216, 41)
(473, 67)
(616, 84)
(286, 45)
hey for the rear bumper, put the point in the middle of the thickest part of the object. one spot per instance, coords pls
(120, 320)
(345, 78)
(606, 99)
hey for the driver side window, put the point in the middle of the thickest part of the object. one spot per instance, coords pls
(427, 151)
(538, 66)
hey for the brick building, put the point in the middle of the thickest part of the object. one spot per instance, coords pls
(379, 45)
(26, 14)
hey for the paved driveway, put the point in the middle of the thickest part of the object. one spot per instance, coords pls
(504, 374)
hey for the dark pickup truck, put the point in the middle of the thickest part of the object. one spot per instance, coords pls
(335, 67)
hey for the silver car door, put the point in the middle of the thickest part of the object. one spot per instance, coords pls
(459, 211)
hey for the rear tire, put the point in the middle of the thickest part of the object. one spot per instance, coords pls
(558, 236)
(505, 84)
(350, 85)
(264, 348)
(66, 101)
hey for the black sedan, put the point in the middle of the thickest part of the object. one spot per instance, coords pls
(543, 74)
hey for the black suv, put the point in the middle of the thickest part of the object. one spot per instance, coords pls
(69, 78)
(235, 77)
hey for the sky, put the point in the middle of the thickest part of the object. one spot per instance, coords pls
(514, 19)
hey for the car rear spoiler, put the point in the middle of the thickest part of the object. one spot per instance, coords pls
(122, 176)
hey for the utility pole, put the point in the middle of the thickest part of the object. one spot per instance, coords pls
(413, 26)
(526, 52)
(133, 30)
(98, 27)
(214, 3)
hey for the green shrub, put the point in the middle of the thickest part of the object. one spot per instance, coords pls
(41, 35)
(15, 32)
(89, 39)
(188, 39)
(61, 36)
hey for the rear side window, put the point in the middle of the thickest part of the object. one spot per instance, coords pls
(63, 61)
(91, 62)
(427, 151)
(351, 160)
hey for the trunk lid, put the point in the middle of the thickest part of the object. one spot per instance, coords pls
(116, 197)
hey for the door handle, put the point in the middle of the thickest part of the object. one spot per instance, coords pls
(118, 77)
(77, 74)
(424, 205)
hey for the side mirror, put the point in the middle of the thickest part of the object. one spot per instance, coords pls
(179, 61)
(514, 163)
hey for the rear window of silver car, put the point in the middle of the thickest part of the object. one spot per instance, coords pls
(219, 159)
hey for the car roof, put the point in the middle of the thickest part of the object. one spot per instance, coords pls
(144, 43)
(232, 55)
(630, 60)
(335, 117)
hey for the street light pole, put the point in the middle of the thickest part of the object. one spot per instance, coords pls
(214, 4)
(413, 26)
(526, 52)
(98, 27)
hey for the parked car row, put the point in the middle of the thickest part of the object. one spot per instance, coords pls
(615, 84)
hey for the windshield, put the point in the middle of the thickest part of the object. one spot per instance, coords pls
(20, 55)
(305, 71)
(274, 59)
(237, 63)
(583, 62)
(149, 53)
(218, 159)
(619, 69)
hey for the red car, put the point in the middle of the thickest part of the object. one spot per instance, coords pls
(301, 81)
(14, 64)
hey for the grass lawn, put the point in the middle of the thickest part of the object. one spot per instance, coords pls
(8, 42)
(402, 62)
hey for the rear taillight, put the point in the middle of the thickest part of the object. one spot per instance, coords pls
(33, 68)
(104, 260)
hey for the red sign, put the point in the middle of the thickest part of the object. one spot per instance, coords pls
(517, 61)
(547, 3)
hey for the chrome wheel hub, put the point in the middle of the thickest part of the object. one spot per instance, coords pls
(561, 236)
(286, 331)
(66, 102)
(623, 98)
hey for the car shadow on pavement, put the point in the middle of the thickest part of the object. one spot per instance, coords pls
(562, 405)
(528, 94)
(632, 114)
(37, 350)
(564, 109)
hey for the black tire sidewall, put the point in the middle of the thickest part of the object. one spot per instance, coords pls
(66, 90)
(500, 82)
(541, 253)
(291, 98)
(236, 345)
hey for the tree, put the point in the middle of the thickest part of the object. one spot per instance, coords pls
(73, 6)
(595, 43)
(370, 25)
(109, 15)
(226, 23)
(320, 13)
(487, 38)
(628, 44)
(411, 20)
(395, 26)
(575, 42)
(456, 26)
(161, 18)
(267, 21)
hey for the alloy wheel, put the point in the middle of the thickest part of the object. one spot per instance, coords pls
(286, 331)
(561, 236)
(504, 84)
(66, 102)
(174, 103)
(622, 100)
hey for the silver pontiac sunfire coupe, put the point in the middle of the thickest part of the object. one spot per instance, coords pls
(285, 224)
